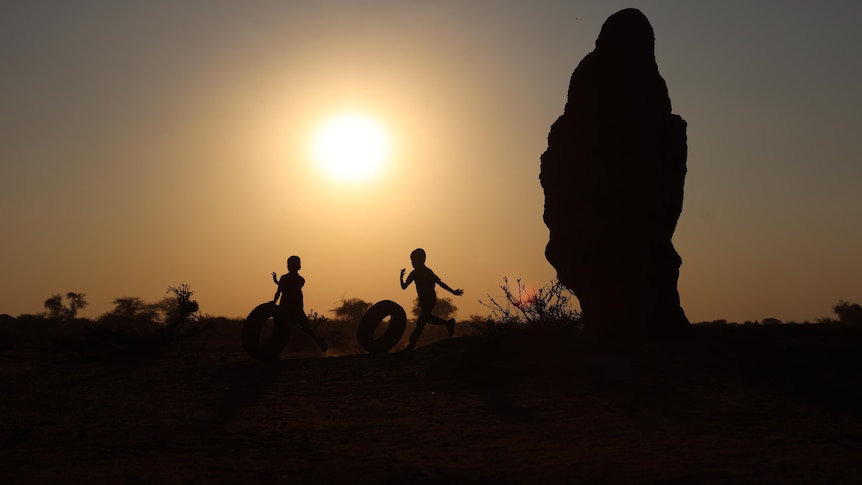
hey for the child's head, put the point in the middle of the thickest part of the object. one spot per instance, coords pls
(293, 263)
(417, 257)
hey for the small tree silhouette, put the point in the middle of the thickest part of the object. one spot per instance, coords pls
(444, 308)
(848, 313)
(128, 307)
(351, 309)
(183, 309)
(54, 306)
(76, 302)
(59, 310)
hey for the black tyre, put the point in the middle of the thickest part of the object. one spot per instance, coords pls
(264, 334)
(373, 317)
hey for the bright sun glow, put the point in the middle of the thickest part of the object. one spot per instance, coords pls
(351, 147)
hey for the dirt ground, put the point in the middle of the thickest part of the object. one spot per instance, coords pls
(727, 404)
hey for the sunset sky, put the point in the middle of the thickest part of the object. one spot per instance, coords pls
(152, 143)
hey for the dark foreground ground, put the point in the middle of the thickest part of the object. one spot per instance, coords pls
(765, 404)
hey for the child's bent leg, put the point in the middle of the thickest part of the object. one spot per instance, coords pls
(417, 332)
(437, 320)
(450, 324)
(420, 326)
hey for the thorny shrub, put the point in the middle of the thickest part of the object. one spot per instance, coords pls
(521, 308)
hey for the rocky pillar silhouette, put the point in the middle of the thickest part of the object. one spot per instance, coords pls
(613, 177)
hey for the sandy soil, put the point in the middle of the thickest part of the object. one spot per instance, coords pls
(761, 404)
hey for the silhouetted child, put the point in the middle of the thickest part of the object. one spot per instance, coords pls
(291, 307)
(425, 280)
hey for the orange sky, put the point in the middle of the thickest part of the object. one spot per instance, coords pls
(149, 143)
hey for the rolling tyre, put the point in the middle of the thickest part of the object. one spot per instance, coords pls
(264, 334)
(373, 317)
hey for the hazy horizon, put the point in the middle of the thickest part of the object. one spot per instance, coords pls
(149, 144)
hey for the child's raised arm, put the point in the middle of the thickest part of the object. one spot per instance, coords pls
(274, 277)
(405, 284)
(456, 292)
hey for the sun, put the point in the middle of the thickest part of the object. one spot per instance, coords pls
(351, 147)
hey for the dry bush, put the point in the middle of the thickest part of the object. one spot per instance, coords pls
(520, 308)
